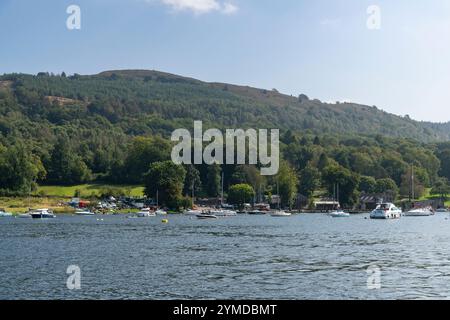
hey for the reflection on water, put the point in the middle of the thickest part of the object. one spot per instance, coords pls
(245, 257)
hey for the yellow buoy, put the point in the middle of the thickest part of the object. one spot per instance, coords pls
(165, 221)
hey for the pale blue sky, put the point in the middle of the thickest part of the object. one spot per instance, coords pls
(322, 47)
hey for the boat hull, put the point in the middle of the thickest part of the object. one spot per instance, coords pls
(206, 216)
(339, 215)
(5, 214)
(385, 216)
(42, 216)
(146, 215)
(257, 213)
(280, 214)
(87, 213)
(225, 213)
(418, 214)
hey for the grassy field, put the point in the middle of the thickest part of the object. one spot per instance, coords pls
(22, 204)
(428, 196)
(87, 190)
(56, 197)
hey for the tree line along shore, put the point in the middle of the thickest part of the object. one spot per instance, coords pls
(59, 131)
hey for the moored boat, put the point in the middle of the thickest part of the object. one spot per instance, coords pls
(204, 216)
(42, 214)
(84, 213)
(223, 213)
(160, 212)
(257, 212)
(386, 211)
(146, 213)
(3, 213)
(192, 212)
(420, 212)
(339, 214)
(280, 214)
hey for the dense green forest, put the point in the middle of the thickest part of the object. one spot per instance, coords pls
(115, 127)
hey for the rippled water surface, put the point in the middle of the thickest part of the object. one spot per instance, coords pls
(245, 257)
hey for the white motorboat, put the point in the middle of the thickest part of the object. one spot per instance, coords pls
(280, 214)
(192, 212)
(257, 212)
(160, 212)
(386, 211)
(42, 214)
(339, 214)
(205, 216)
(223, 213)
(420, 212)
(442, 210)
(84, 213)
(146, 213)
(3, 213)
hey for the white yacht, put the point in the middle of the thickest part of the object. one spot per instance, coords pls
(42, 214)
(146, 213)
(280, 214)
(81, 212)
(420, 212)
(3, 213)
(386, 211)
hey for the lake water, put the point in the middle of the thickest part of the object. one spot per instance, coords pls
(246, 257)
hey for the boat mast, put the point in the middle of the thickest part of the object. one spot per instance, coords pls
(193, 190)
(337, 199)
(334, 194)
(278, 195)
(221, 198)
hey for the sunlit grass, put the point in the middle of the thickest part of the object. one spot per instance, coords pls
(87, 190)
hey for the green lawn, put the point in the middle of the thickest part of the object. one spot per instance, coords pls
(428, 196)
(87, 190)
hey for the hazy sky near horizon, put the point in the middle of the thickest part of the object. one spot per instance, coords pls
(321, 48)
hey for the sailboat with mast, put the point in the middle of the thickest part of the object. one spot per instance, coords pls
(421, 211)
(192, 212)
(338, 213)
(279, 213)
(223, 212)
(159, 211)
